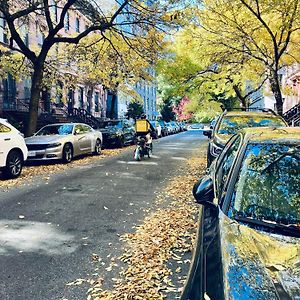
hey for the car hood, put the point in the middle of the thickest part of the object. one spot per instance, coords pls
(221, 139)
(45, 139)
(258, 265)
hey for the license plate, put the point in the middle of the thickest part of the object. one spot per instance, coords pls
(31, 153)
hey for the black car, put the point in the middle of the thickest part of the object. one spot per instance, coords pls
(117, 132)
(229, 122)
(248, 244)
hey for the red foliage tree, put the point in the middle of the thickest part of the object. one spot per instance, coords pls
(180, 110)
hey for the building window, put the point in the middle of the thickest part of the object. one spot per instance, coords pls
(77, 25)
(55, 12)
(97, 102)
(67, 22)
(5, 37)
(26, 40)
(80, 97)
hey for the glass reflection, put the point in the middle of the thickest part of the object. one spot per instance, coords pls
(268, 186)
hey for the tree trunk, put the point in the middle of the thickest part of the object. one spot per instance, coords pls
(36, 88)
(275, 88)
(240, 96)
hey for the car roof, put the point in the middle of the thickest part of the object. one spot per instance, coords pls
(250, 114)
(268, 134)
(69, 123)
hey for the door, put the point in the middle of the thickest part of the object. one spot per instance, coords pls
(82, 139)
(129, 132)
(90, 138)
(9, 93)
(6, 143)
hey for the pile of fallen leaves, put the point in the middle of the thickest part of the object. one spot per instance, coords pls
(167, 234)
(45, 170)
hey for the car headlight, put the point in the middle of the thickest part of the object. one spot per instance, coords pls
(215, 150)
(53, 145)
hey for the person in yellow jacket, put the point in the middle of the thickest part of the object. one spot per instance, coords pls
(144, 128)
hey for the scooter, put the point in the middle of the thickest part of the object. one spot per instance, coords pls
(142, 148)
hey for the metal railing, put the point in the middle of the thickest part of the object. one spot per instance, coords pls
(292, 116)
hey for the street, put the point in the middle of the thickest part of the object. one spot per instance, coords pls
(55, 234)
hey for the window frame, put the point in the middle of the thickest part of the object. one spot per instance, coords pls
(221, 191)
(4, 126)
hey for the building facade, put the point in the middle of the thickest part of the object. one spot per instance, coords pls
(16, 95)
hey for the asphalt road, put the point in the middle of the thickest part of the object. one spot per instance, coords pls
(50, 231)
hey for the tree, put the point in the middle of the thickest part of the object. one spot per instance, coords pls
(113, 63)
(134, 110)
(128, 13)
(166, 110)
(181, 110)
(234, 47)
(258, 33)
(195, 69)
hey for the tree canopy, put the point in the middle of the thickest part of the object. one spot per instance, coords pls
(234, 48)
(127, 19)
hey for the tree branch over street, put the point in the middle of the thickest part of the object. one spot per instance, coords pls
(132, 14)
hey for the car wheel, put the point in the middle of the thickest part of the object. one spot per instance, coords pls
(98, 147)
(121, 142)
(67, 154)
(14, 164)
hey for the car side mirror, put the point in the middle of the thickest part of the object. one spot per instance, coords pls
(203, 190)
(207, 133)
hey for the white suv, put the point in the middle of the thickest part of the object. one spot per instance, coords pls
(13, 150)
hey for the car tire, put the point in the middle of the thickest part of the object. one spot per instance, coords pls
(121, 142)
(67, 154)
(98, 147)
(14, 164)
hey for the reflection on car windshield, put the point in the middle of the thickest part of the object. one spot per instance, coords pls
(268, 184)
(109, 124)
(231, 124)
(56, 129)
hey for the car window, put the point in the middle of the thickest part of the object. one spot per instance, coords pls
(63, 129)
(225, 162)
(231, 124)
(79, 129)
(87, 128)
(4, 128)
(267, 187)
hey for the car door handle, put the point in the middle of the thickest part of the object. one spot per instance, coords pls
(7, 139)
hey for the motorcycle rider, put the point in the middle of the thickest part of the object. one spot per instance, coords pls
(144, 129)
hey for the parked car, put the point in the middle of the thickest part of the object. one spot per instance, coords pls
(164, 128)
(195, 126)
(13, 150)
(230, 122)
(170, 128)
(63, 141)
(157, 128)
(248, 242)
(117, 132)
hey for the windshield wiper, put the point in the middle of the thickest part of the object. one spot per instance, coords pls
(291, 230)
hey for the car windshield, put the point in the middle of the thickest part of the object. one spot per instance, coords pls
(268, 184)
(231, 124)
(110, 124)
(63, 129)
